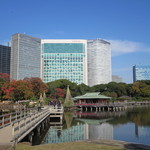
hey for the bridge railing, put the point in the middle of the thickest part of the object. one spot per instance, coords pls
(7, 119)
(23, 126)
(56, 109)
(22, 123)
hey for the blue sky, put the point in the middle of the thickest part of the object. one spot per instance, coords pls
(125, 23)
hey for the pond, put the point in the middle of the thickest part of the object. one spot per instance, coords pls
(132, 125)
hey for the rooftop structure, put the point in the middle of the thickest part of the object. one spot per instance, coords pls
(93, 95)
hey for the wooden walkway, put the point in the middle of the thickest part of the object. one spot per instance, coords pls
(15, 126)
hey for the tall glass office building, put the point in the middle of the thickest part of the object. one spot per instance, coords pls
(99, 62)
(25, 57)
(64, 59)
(141, 72)
(5, 59)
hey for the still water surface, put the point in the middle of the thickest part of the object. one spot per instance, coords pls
(132, 125)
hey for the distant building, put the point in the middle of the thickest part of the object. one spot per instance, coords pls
(79, 61)
(117, 79)
(25, 57)
(5, 59)
(141, 72)
(99, 62)
(64, 59)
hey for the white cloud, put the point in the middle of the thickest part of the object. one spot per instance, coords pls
(123, 47)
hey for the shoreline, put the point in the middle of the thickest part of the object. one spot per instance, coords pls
(122, 145)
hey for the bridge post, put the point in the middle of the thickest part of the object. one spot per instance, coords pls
(10, 118)
(25, 124)
(3, 121)
(13, 130)
(16, 117)
(42, 125)
(85, 108)
(38, 129)
(108, 108)
(113, 108)
(30, 136)
(19, 127)
(99, 108)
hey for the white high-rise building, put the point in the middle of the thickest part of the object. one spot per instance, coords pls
(64, 59)
(25, 57)
(99, 62)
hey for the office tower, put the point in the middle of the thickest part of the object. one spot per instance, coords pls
(25, 57)
(99, 62)
(117, 79)
(5, 59)
(64, 59)
(141, 72)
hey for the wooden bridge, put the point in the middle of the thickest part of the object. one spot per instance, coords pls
(15, 126)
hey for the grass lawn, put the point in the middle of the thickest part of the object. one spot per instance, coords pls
(68, 146)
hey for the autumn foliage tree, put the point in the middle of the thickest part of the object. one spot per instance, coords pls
(38, 86)
(4, 79)
(59, 93)
(6, 91)
(22, 90)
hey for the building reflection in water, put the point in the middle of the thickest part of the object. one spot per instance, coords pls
(78, 130)
(142, 131)
(103, 131)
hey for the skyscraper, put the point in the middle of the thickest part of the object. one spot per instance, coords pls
(25, 57)
(80, 61)
(64, 59)
(141, 72)
(5, 59)
(99, 62)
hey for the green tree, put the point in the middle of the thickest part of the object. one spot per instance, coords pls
(82, 89)
(61, 83)
(119, 88)
(99, 88)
